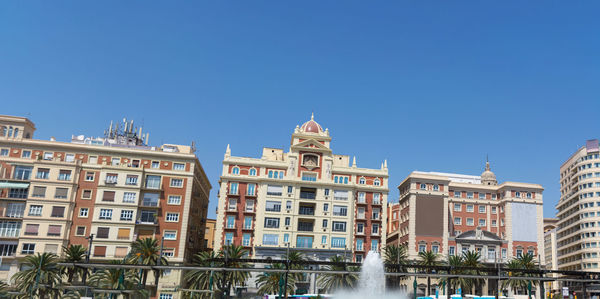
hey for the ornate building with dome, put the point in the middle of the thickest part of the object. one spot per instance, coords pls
(307, 198)
(452, 213)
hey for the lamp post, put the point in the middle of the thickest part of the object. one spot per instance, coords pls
(287, 268)
(87, 261)
(159, 262)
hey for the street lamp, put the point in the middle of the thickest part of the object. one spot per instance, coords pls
(87, 261)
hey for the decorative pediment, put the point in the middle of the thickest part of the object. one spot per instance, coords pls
(478, 235)
(312, 144)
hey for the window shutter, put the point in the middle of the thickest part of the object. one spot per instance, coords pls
(54, 230)
(108, 196)
(58, 211)
(123, 233)
(61, 193)
(103, 232)
(120, 251)
(100, 251)
(39, 191)
(32, 229)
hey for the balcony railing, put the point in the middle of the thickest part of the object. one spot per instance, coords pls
(306, 211)
(305, 226)
(308, 195)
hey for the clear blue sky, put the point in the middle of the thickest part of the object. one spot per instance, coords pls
(428, 85)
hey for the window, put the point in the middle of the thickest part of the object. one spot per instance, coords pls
(362, 181)
(61, 193)
(43, 173)
(360, 213)
(249, 205)
(230, 221)
(482, 222)
(338, 242)
(121, 252)
(271, 222)
(325, 207)
(147, 216)
(48, 156)
(375, 214)
(232, 204)
(274, 190)
(89, 176)
(436, 187)
(517, 194)
(174, 200)
(54, 230)
(422, 187)
(233, 188)
(359, 244)
(503, 253)
(359, 258)
(102, 232)
(375, 229)
(457, 193)
(470, 221)
(155, 164)
(339, 226)
(270, 239)
(15, 210)
(374, 244)
(457, 207)
(340, 210)
(177, 183)
(26, 154)
(170, 234)
(4, 152)
(64, 175)
(80, 231)
(22, 172)
(172, 217)
(519, 252)
(131, 180)
(100, 251)
(457, 221)
(251, 190)
(115, 161)
(422, 247)
(286, 238)
(35, 210)
(326, 192)
(288, 205)
(69, 157)
(58, 211)
(31, 229)
(361, 197)
(360, 228)
(108, 196)
(252, 172)
(481, 209)
(469, 208)
(126, 215)
(181, 166)
(39, 191)
(451, 250)
(93, 160)
(324, 240)
(309, 176)
(153, 182)
(376, 182)
(28, 248)
(481, 195)
(273, 206)
(376, 197)
(340, 195)
(494, 224)
(324, 223)
(287, 221)
(129, 197)
(493, 210)
(248, 222)
(105, 214)
(150, 200)
(469, 194)
(83, 212)
(86, 194)
(246, 240)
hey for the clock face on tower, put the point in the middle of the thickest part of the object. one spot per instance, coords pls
(310, 160)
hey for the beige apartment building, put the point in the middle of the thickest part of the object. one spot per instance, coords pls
(114, 188)
(550, 251)
(451, 213)
(308, 198)
(209, 235)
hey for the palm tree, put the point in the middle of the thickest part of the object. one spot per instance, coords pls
(394, 254)
(527, 262)
(332, 282)
(269, 281)
(295, 257)
(4, 288)
(115, 279)
(223, 281)
(455, 262)
(40, 274)
(146, 252)
(74, 254)
(471, 259)
(428, 259)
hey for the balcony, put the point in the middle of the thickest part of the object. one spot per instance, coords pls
(149, 203)
(308, 194)
(305, 226)
(307, 210)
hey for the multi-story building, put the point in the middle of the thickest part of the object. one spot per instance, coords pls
(393, 223)
(116, 189)
(308, 198)
(577, 236)
(550, 225)
(451, 213)
(209, 235)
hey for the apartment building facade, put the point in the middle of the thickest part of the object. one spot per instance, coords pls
(452, 213)
(116, 189)
(308, 198)
(578, 211)
(393, 223)
(551, 253)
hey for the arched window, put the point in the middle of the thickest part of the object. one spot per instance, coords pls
(281, 174)
(361, 181)
(10, 130)
(235, 170)
(252, 172)
(16, 132)
(376, 182)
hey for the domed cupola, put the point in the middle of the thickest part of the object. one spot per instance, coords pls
(488, 177)
(311, 126)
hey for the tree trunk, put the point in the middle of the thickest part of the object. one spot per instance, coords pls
(428, 285)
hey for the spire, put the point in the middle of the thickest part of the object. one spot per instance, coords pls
(385, 163)
(487, 163)
(227, 151)
(312, 116)
(354, 161)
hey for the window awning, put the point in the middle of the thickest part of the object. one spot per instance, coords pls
(14, 185)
